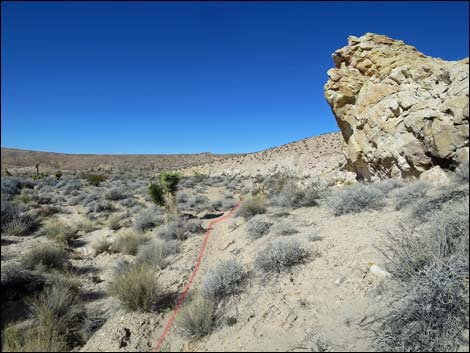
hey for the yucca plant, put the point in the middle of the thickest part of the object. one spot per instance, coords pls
(163, 193)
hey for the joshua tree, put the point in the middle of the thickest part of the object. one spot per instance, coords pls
(163, 193)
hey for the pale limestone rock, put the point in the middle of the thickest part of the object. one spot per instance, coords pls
(436, 175)
(400, 112)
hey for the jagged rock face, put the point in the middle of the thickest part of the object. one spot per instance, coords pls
(400, 112)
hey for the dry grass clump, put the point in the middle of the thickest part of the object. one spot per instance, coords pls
(251, 208)
(58, 323)
(157, 251)
(127, 243)
(114, 222)
(197, 319)
(101, 245)
(59, 232)
(46, 257)
(136, 286)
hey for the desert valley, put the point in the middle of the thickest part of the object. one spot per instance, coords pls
(354, 240)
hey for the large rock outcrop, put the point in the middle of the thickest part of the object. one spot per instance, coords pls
(400, 112)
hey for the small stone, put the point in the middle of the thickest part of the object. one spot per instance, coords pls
(340, 280)
(376, 270)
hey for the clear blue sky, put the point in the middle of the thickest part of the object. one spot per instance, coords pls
(153, 77)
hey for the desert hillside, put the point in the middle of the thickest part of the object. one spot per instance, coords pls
(314, 156)
(16, 158)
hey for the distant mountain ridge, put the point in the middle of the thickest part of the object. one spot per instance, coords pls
(18, 158)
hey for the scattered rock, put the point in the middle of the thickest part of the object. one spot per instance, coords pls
(376, 270)
(436, 175)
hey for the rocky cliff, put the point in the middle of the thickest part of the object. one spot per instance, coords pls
(400, 112)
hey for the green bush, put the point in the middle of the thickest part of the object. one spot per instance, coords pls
(94, 179)
(157, 194)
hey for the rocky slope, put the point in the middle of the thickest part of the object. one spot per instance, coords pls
(400, 112)
(315, 156)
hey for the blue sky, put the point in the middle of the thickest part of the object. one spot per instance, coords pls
(154, 77)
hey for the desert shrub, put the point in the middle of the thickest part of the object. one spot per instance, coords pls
(100, 206)
(410, 249)
(129, 202)
(461, 173)
(16, 282)
(89, 198)
(115, 194)
(171, 230)
(25, 196)
(156, 252)
(114, 221)
(58, 308)
(71, 186)
(21, 225)
(9, 211)
(72, 201)
(182, 197)
(251, 208)
(193, 226)
(59, 232)
(136, 286)
(281, 254)
(257, 227)
(429, 263)
(355, 199)
(127, 243)
(289, 194)
(429, 316)
(46, 257)
(33, 338)
(101, 245)
(197, 319)
(47, 211)
(11, 186)
(423, 209)
(228, 204)
(198, 202)
(85, 225)
(410, 193)
(217, 205)
(149, 218)
(449, 229)
(244, 190)
(94, 179)
(283, 228)
(225, 279)
(387, 185)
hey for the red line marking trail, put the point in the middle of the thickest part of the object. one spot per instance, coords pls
(193, 275)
